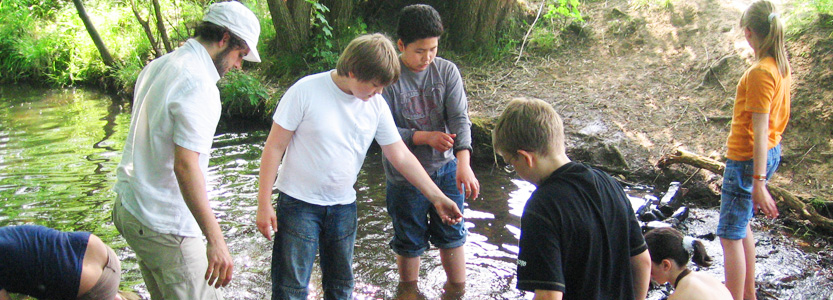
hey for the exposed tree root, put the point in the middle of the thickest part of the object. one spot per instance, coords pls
(799, 206)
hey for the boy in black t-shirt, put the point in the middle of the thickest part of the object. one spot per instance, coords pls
(579, 235)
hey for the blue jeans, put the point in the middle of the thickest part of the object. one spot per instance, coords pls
(302, 229)
(416, 222)
(736, 194)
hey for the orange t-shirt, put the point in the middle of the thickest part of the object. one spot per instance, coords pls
(762, 89)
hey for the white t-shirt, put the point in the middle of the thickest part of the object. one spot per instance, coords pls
(176, 102)
(333, 131)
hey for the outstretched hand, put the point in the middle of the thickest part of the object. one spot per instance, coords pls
(448, 211)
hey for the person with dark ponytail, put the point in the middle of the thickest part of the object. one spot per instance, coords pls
(670, 252)
(761, 113)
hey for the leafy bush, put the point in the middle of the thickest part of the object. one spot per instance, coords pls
(327, 41)
(567, 9)
(559, 16)
(15, 35)
(243, 95)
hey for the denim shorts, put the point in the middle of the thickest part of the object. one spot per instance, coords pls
(415, 221)
(736, 195)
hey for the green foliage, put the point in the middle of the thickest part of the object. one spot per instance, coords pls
(807, 15)
(543, 38)
(824, 9)
(14, 20)
(821, 206)
(46, 42)
(44, 9)
(323, 53)
(243, 94)
(327, 41)
(559, 17)
(323, 50)
(566, 8)
(127, 71)
(823, 6)
(55, 48)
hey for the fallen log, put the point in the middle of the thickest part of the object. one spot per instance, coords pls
(795, 203)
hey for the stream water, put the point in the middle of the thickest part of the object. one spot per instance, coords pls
(59, 149)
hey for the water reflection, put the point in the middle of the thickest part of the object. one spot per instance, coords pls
(59, 150)
(490, 251)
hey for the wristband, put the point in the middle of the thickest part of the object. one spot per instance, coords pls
(761, 177)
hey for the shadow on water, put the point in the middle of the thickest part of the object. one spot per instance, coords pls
(59, 150)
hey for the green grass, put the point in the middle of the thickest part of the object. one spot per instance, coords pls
(823, 6)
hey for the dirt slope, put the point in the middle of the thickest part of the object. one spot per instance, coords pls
(638, 81)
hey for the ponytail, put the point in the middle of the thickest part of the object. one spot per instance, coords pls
(699, 255)
(762, 19)
(668, 243)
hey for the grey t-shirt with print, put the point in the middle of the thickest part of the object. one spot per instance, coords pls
(430, 100)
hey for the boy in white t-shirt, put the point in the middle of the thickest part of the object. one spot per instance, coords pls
(322, 129)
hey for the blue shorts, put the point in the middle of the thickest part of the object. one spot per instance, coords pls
(736, 195)
(415, 221)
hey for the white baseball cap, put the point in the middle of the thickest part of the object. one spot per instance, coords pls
(239, 20)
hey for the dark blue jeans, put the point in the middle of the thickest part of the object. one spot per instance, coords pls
(302, 229)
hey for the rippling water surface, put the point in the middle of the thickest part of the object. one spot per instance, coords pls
(59, 150)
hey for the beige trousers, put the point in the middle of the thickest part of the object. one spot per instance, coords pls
(172, 266)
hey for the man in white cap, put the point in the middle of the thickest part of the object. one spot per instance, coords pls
(162, 208)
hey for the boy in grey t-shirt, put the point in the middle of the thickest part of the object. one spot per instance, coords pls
(429, 108)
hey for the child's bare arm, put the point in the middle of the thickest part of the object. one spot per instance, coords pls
(760, 195)
(273, 151)
(641, 272)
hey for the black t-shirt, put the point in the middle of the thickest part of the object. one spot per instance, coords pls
(578, 233)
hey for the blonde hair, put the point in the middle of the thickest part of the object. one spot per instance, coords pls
(530, 125)
(765, 22)
(370, 57)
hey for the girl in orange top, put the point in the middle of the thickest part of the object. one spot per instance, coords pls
(762, 109)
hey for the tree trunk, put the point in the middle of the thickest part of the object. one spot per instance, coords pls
(148, 32)
(102, 49)
(477, 23)
(292, 26)
(469, 24)
(796, 204)
(160, 25)
(341, 13)
(300, 10)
